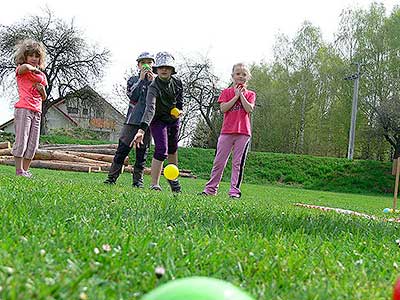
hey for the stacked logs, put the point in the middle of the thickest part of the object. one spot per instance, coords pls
(79, 158)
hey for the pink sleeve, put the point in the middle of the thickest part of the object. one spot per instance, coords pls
(44, 80)
(35, 77)
(223, 97)
(251, 97)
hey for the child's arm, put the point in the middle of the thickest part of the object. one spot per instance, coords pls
(42, 91)
(146, 118)
(225, 106)
(134, 89)
(248, 107)
(27, 68)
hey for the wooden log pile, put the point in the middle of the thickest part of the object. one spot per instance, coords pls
(78, 158)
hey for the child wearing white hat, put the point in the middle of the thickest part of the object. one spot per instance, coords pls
(165, 94)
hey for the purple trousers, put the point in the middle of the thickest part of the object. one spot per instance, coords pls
(238, 144)
(165, 138)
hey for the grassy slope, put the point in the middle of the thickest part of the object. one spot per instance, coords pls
(319, 173)
(263, 243)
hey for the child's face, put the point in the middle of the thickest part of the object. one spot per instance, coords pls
(144, 62)
(164, 72)
(33, 59)
(240, 75)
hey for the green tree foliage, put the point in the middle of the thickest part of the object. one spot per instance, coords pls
(304, 105)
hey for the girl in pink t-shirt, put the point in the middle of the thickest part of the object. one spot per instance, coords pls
(31, 82)
(236, 103)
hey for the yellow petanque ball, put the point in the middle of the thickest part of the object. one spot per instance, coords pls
(175, 112)
(171, 172)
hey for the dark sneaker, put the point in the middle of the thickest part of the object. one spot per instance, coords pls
(203, 194)
(138, 185)
(175, 186)
(155, 187)
(109, 181)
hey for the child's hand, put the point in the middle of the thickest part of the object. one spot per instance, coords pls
(150, 75)
(36, 70)
(142, 74)
(39, 87)
(32, 68)
(237, 91)
(138, 139)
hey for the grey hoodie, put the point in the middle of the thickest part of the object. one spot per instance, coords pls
(136, 91)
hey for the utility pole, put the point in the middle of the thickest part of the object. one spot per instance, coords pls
(356, 78)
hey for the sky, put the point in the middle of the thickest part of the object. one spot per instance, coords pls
(225, 31)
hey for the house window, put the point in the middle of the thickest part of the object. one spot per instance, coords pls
(85, 111)
(72, 110)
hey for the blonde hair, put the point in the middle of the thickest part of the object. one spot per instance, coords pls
(29, 47)
(242, 66)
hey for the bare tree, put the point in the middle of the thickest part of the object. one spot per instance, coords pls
(201, 93)
(71, 62)
(388, 115)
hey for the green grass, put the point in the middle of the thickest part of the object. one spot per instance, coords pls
(304, 171)
(51, 225)
(310, 172)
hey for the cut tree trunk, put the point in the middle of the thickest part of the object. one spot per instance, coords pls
(96, 156)
(5, 152)
(5, 145)
(73, 146)
(98, 151)
(59, 155)
(57, 165)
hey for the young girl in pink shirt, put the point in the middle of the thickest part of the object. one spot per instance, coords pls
(236, 102)
(31, 82)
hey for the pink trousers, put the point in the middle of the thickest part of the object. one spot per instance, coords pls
(238, 144)
(27, 131)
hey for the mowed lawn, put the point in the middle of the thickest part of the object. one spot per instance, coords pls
(66, 235)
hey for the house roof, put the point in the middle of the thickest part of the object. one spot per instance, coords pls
(61, 100)
(101, 97)
(4, 125)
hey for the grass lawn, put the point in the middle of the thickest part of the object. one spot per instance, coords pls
(53, 229)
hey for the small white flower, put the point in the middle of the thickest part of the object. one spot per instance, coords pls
(8, 270)
(96, 250)
(340, 265)
(359, 262)
(49, 281)
(395, 265)
(83, 296)
(106, 247)
(160, 271)
(42, 252)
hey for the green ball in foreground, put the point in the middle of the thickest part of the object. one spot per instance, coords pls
(197, 288)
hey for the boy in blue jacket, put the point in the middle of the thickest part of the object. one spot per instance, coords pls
(136, 91)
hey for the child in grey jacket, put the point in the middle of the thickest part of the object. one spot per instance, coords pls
(136, 91)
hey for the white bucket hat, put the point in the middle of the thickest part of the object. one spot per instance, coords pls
(145, 55)
(164, 59)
